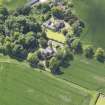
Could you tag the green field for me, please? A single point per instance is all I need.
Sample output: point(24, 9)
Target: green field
point(93, 14)
point(59, 37)
point(101, 100)
point(89, 74)
point(13, 4)
point(21, 85)
point(1, 2)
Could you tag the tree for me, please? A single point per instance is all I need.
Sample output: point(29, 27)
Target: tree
point(57, 12)
point(77, 46)
point(7, 38)
point(67, 57)
point(18, 52)
point(43, 34)
point(22, 24)
point(65, 31)
point(3, 13)
point(70, 4)
point(46, 17)
point(89, 51)
point(64, 55)
point(31, 42)
point(100, 54)
point(32, 58)
point(2, 28)
point(68, 54)
point(2, 39)
point(2, 49)
point(16, 35)
point(43, 42)
point(41, 65)
point(67, 14)
point(22, 11)
point(54, 65)
point(43, 7)
point(8, 47)
point(22, 40)
point(60, 53)
point(78, 27)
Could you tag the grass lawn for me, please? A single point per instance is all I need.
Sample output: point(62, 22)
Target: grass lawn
point(21, 85)
point(89, 74)
point(101, 100)
point(13, 4)
point(92, 13)
point(1, 2)
point(59, 37)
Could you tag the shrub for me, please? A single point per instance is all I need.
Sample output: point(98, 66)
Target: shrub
point(65, 31)
point(77, 46)
point(100, 54)
point(89, 51)
point(44, 7)
point(32, 58)
point(57, 12)
point(54, 65)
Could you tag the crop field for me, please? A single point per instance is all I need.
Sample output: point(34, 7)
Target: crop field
point(55, 36)
point(21, 85)
point(92, 12)
point(89, 74)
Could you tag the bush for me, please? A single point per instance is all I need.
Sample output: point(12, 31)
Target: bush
point(3, 13)
point(44, 7)
point(65, 31)
point(23, 11)
point(64, 55)
point(77, 46)
point(41, 65)
point(2, 49)
point(54, 65)
point(32, 58)
point(43, 42)
point(100, 54)
point(89, 51)
point(18, 52)
point(67, 57)
point(57, 12)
